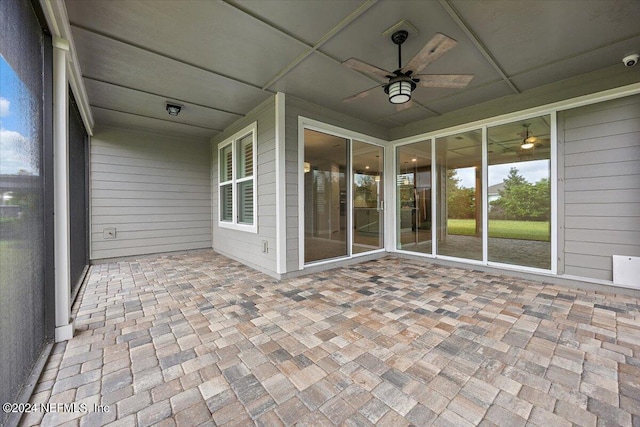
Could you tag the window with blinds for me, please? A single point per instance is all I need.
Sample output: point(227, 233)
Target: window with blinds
point(237, 182)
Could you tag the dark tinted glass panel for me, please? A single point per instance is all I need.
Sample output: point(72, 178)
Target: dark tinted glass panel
point(22, 243)
point(79, 251)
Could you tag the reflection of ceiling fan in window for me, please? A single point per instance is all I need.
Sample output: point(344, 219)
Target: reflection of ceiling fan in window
point(529, 143)
point(524, 147)
point(399, 85)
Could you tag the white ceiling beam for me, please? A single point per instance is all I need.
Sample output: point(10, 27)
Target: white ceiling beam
point(453, 13)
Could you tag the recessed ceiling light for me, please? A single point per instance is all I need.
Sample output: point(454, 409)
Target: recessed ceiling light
point(173, 109)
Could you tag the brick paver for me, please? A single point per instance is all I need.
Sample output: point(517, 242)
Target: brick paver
point(199, 339)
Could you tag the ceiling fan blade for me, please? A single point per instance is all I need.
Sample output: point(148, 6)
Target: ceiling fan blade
point(377, 73)
point(444, 80)
point(406, 105)
point(362, 94)
point(434, 49)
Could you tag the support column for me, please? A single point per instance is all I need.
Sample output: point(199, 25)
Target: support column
point(64, 323)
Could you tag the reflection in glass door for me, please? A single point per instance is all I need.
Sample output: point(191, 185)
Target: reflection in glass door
point(519, 193)
point(368, 189)
point(413, 184)
point(325, 196)
point(459, 204)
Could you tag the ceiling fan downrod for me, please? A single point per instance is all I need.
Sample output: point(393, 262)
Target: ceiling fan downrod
point(398, 38)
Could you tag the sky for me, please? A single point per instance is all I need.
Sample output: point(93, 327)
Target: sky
point(533, 171)
point(16, 150)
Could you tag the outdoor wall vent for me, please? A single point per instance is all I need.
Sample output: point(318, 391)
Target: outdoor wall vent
point(626, 271)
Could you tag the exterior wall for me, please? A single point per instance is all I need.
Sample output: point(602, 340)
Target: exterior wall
point(154, 190)
point(607, 78)
point(295, 107)
point(601, 195)
point(244, 246)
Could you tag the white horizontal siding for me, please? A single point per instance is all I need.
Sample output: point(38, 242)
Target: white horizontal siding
point(624, 182)
point(146, 248)
point(244, 246)
point(147, 171)
point(154, 190)
point(151, 179)
point(184, 237)
point(127, 202)
point(144, 186)
point(601, 186)
point(154, 226)
point(150, 195)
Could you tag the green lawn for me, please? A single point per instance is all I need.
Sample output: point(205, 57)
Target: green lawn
point(526, 230)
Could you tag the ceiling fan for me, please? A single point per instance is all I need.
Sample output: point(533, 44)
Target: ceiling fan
point(526, 144)
point(399, 84)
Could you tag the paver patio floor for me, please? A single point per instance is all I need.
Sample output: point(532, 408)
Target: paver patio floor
point(199, 339)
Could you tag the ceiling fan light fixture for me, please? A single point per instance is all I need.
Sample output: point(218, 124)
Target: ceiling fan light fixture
point(399, 92)
point(529, 140)
point(526, 145)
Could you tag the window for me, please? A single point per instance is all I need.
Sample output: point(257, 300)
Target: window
point(414, 193)
point(237, 182)
point(519, 189)
point(459, 222)
point(491, 200)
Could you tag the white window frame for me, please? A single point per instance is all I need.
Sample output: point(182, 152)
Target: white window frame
point(234, 224)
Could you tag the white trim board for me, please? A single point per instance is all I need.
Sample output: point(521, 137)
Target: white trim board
point(281, 192)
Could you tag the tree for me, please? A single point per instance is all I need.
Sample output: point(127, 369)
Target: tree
point(461, 201)
point(521, 200)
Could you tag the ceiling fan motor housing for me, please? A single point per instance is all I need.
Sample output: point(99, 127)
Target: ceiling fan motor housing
point(399, 37)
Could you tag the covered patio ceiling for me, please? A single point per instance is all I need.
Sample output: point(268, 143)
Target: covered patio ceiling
point(220, 59)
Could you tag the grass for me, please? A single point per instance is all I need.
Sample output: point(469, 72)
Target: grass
point(7, 220)
point(10, 257)
point(525, 230)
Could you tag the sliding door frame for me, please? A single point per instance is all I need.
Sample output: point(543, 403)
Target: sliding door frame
point(305, 123)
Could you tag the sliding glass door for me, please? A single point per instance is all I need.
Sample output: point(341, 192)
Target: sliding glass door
point(343, 197)
point(325, 196)
point(413, 194)
point(368, 197)
point(459, 203)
